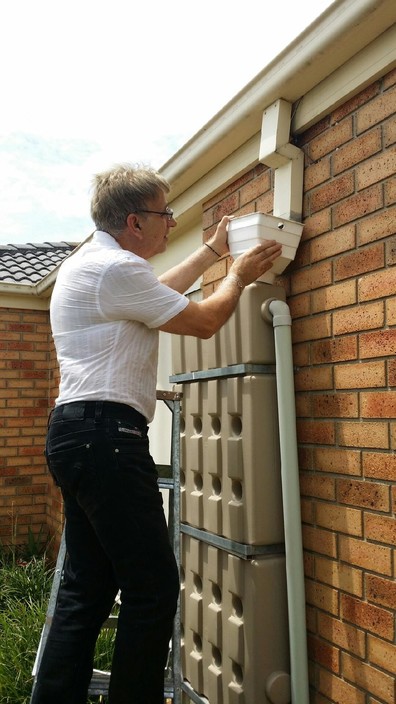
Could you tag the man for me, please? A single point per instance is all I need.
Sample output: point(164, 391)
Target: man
point(106, 310)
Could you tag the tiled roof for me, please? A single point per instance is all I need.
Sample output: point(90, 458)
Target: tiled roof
point(29, 263)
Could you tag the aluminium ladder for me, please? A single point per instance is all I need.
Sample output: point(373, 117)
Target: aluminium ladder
point(169, 479)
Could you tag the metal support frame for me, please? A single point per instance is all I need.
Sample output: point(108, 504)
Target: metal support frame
point(223, 372)
point(242, 550)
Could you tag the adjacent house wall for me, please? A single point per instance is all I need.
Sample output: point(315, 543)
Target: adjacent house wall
point(24, 405)
point(341, 292)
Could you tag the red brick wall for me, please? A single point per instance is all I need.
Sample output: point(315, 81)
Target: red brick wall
point(341, 292)
point(27, 499)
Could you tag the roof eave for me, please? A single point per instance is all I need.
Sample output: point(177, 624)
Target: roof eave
point(343, 30)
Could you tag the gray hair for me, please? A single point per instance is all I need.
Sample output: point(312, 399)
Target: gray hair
point(122, 190)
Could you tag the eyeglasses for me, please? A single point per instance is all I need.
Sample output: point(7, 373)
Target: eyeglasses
point(168, 212)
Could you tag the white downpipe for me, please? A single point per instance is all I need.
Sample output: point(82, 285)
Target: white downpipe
point(278, 312)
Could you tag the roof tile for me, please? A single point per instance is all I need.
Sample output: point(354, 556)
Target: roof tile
point(29, 263)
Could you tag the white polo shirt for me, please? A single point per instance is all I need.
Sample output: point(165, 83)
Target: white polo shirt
point(105, 310)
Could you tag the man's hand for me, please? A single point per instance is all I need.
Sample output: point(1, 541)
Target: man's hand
point(253, 263)
point(219, 240)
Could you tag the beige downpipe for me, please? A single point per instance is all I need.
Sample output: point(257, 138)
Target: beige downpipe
point(288, 161)
point(278, 313)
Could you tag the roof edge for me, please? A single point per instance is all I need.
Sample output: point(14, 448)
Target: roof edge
point(344, 29)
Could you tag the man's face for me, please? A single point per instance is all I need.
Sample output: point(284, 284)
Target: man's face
point(155, 226)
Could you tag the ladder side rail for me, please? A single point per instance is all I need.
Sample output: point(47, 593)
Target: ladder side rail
point(58, 572)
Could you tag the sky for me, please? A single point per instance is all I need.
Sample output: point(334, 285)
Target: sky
point(87, 84)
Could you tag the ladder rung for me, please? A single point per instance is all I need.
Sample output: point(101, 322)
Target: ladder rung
point(169, 395)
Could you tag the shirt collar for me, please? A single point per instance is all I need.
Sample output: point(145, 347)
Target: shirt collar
point(101, 237)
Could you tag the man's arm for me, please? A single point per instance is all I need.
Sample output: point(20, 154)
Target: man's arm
point(183, 275)
point(205, 318)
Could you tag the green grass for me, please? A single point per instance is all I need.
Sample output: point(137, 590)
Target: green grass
point(25, 586)
point(24, 591)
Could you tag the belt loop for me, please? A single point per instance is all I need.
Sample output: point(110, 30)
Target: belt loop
point(98, 411)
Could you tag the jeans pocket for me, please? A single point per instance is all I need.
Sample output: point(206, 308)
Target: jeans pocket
point(70, 467)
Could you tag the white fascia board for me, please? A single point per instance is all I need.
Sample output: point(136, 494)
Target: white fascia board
point(32, 296)
point(24, 298)
point(364, 68)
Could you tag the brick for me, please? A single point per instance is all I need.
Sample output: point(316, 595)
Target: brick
point(334, 191)
point(311, 328)
point(368, 677)
point(306, 512)
point(299, 305)
point(363, 493)
point(377, 227)
point(393, 435)
point(376, 111)
point(305, 457)
point(390, 192)
point(226, 207)
point(339, 575)
point(336, 405)
point(311, 379)
point(311, 278)
point(382, 653)
point(317, 485)
point(314, 131)
point(371, 618)
point(331, 139)
point(255, 188)
point(335, 296)
point(316, 432)
point(339, 691)
point(378, 404)
point(339, 518)
point(340, 349)
point(362, 317)
point(379, 465)
point(264, 203)
point(342, 634)
point(334, 242)
point(377, 344)
point(390, 251)
point(356, 102)
point(361, 375)
point(316, 224)
point(339, 461)
point(315, 697)
point(371, 556)
point(391, 368)
point(323, 653)
point(357, 150)
point(322, 596)
point(377, 285)
point(370, 435)
point(303, 405)
point(301, 354)
point(217, 271)
point(389, 80)
point(376, 169)
point(358, 205)
point(381, 591)
point(316, 174)
point(360, 262)
point(319, 541)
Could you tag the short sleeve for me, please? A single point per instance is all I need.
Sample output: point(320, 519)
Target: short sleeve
point(129, 290)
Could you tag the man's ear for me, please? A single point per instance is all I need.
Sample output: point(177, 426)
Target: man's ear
point(134, 225)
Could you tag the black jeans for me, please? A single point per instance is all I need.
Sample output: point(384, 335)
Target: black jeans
point(116, 538)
